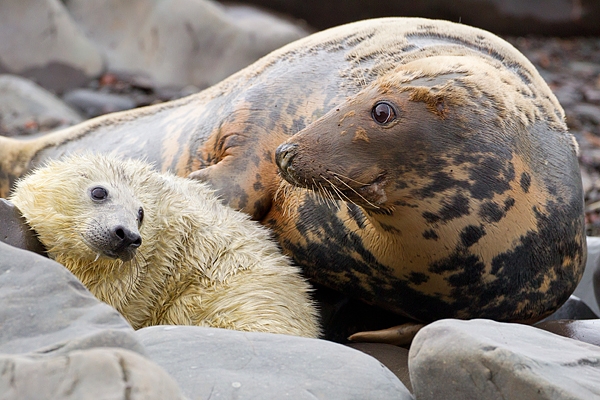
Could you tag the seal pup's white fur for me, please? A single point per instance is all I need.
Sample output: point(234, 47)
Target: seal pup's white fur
point(199, 263)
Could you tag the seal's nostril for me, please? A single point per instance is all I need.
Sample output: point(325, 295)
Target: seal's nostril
point(126, 238)
point(285, 154)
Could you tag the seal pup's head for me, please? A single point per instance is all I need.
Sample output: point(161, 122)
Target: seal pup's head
point(83, 209)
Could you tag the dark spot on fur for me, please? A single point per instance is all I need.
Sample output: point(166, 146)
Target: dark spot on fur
point(401, 185)
point(459, 260)
point(471, 235)
point(389, 228)
point(491, 176)
point(418, 278)
point(491, 212)
point(456, 208)
point(525, 182)
point(509, 203)
point(430, 234)
point(430, 217)
point(403, 203)
point(258, 184)
point(261, 207)
point(441, 181)
point(268, 156)
point(356, 214)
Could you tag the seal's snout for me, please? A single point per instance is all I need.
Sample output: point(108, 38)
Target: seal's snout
point(284, 155)
point(125, 242)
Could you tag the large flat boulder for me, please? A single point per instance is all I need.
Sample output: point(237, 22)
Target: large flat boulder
point(45, 309)
point(27, 108)
point(220, 363)
point(41, 42)
point(180, 42)
point(483, 359)
point(85, 374)
point(59, 342)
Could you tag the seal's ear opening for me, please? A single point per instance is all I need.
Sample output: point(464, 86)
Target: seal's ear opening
point(15, 231)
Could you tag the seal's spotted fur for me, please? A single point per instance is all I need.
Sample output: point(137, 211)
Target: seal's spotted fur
point(480, 215)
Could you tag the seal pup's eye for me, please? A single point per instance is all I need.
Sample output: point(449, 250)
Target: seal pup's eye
point(383, 113)
point(140, 215)
point(98, 193)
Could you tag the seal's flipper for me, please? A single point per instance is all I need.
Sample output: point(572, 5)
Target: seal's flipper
point(400, 335)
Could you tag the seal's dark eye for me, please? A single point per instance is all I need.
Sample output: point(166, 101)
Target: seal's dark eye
point(140, 215)
point(99, 193)
point(383, 113)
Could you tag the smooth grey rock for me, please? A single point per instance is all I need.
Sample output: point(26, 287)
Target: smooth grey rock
point(587, 331)
point(15, 231)
point(220, 363)
point(85, 374)
point(46, 310)
point(23, 102)
point(393, 357)
point(483, 359)
point(41, 42)
point(180, 42)
point(92, 103)
point(585, 290)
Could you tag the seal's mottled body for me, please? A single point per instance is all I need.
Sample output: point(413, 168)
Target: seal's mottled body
point(163, 249)
point(469, 205)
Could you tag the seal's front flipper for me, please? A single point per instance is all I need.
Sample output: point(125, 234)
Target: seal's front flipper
point(400, 335)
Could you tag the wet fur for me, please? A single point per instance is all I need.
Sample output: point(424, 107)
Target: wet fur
point(200, 263)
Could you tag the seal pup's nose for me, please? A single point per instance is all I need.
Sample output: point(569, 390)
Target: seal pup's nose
point(125, 242)
point(284, 155)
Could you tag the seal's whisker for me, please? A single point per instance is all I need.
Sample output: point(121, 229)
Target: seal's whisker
point(324, 196)
point(358, 194)
point(315, 193)
point(338, 175)
point(341, 194)
point(329, 200)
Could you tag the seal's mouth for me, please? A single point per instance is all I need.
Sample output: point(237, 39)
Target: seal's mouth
point(124, 255)
point(118, 243)
point(363, 188)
